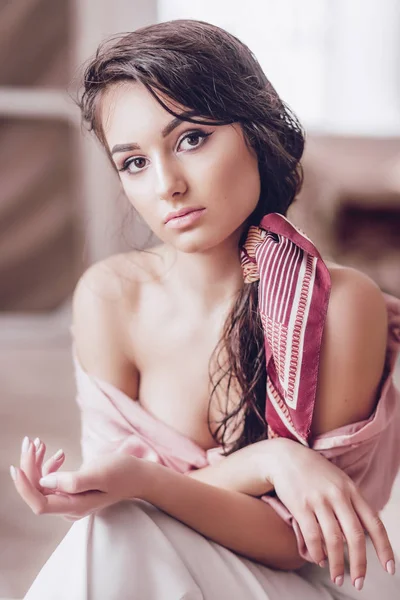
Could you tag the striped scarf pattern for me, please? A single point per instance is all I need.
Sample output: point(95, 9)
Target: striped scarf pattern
point(293, 295)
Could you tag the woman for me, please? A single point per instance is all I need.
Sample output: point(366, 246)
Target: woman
point(202, 356)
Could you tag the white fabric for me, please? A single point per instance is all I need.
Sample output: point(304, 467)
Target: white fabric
point(132, 550)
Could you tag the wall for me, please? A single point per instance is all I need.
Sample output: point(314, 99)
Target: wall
point(336, 63)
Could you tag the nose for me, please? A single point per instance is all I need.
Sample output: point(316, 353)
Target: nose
point(169, 179)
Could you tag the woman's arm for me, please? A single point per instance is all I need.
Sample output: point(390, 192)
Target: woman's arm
point(239, 522)
point(352, 353)
point(242, 471)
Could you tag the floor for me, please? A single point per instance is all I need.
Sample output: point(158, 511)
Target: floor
point(38, 388)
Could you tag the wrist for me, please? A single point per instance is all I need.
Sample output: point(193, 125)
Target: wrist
point(150, 478)
point(130, 477)
point(267, 457)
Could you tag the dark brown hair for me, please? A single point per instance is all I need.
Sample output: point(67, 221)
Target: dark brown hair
point(215, 76)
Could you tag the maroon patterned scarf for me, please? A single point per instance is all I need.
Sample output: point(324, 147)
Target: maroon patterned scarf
point(293, 296)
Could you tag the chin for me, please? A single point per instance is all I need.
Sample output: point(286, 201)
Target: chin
point(192, 242)
point(188, 246)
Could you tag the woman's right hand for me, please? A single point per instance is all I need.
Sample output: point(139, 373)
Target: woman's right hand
point(328, 508)
point(32, 462)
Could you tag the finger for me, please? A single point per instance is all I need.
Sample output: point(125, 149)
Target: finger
point(355, 536)
point(333, 539)
point(28, 461)
point(373, 525)
point(53, 463)
point(312, 535)
point(74, 506)
point(40, 452)
point(70, 482)
point(40, 504)
point(34, 499)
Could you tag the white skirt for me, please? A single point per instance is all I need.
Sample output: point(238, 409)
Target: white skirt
point(132, 550)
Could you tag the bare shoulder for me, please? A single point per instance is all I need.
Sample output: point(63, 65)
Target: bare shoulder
point(114, 283)
point(353, 350)
point(354, 295)
point(104, 297)
point(118, 276)
point(102, 291)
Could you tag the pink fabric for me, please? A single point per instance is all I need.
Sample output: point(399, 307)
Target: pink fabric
point(369, 451)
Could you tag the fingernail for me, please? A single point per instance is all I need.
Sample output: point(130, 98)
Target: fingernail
point(37, 443)
point(359, 582)
point(322, 564)
point(25, 444)
point(390, 567)
point(339, 580)
point(50, 481)
point(58, 454)
point(13, 473)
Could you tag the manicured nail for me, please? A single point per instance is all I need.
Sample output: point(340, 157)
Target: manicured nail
point(58, 454)
point(322, 564)
point(50, 481)
point(25, 444)
point(339, 580)
point(390, 567)
point(359, 582)
point(13, 473)
point(37, 443)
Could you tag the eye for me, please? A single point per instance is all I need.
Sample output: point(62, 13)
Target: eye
point(133, 165)
point(193, 139)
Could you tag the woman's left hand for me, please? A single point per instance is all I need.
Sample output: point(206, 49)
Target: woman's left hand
point(327, 506)
point(75, 494)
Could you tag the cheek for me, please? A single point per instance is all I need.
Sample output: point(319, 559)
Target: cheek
point(137, 195)
point(142, 202)
point(238, 178)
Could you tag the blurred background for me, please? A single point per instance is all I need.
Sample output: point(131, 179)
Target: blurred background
point(337, 65)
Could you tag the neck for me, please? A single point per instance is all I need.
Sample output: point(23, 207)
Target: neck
point(208, 278)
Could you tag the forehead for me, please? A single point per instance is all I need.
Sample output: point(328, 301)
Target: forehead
point(129, 113)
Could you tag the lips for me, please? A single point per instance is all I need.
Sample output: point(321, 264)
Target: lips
point(182, 212)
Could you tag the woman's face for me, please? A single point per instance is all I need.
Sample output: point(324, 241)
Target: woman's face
point(167, 165)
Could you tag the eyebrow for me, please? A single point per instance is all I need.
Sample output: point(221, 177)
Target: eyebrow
point(166, 131)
